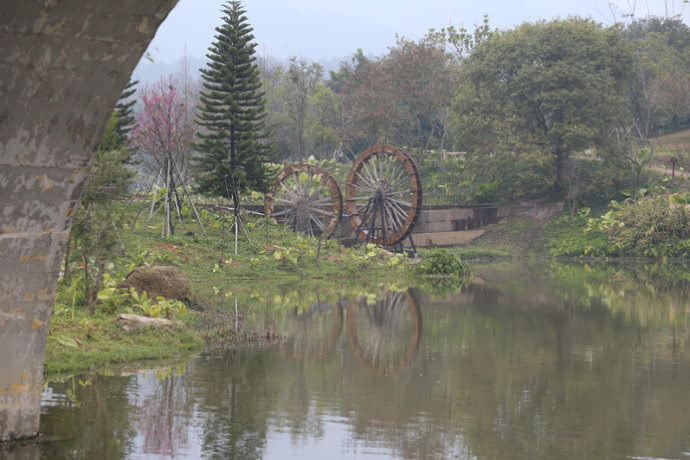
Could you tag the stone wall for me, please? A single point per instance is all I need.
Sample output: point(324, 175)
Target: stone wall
point(63, 65)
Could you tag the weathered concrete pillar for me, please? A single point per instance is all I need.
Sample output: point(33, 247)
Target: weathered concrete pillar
point(63, 64)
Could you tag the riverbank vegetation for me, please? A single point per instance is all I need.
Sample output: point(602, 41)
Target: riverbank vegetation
point(85, 329)
point(565, 110)
point(653, 227)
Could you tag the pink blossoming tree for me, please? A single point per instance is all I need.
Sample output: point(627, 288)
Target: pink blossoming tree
point(162, 135)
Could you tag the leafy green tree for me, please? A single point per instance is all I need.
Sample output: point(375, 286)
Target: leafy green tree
point(425, 80)
point(111, 137)
point(300, 80)
point(401, 97)
point(533, 96)
point(660, 93)
point(326, 121)
point(94, 234)
point(232, 113)
point(338, 78)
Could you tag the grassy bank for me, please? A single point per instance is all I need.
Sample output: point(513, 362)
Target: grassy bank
point(93, 340)
point(265, 272)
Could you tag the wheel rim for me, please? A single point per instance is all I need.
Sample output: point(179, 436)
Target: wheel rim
point(307, 199)
point(383, 195)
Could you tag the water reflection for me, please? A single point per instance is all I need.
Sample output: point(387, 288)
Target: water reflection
point(557, 361)
point(312, 334)
point(385, 334)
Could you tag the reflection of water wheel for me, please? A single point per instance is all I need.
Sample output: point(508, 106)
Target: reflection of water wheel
point(388, 317)
point(383, 195)
point(310, 200)
point(307, 341)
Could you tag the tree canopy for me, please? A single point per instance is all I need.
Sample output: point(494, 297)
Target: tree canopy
point(232, 113)
point(533, 96)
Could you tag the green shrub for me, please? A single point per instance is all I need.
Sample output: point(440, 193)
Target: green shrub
point(679, 198)
point(440, 262)
point(649, 227)
point(569, 236)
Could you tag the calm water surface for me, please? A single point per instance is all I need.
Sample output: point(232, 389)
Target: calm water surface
point(529, 362)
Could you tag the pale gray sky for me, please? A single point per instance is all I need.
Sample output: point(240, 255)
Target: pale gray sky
point(317, 29)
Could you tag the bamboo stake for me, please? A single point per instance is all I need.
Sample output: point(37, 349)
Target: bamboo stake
point(191, 202)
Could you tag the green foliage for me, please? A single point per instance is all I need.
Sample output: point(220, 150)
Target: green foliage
point(534, 95)
point(300, 81)
point(325, 122)
point(121, 121)
point(568, 237)
point(110, 298)
point(648, 227)
point(402, 97)
point(660, 88)
point(440, 262)
point(153, 308)
point(125, 111)
point(679, 198)
point(70, 295)
point(95, 231)
point(232, 113)
point(111, 138)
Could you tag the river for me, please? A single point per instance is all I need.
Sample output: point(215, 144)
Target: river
point(527, 361)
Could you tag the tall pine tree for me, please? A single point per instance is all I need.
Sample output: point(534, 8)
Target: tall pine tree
point(232, 113)
point(125, 109)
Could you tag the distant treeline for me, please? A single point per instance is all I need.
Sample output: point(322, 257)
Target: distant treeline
point(562, 107)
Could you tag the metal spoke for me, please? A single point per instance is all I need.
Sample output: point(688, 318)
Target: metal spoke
point(318, 223)
point(298, 186)
point(289, 191)
point(281, 213)
point(399, 212)
point(286, 201)
point(323, 211)
point(395, 218)
point(371, 165)
point(366, 177)
point(399, 182)
point(361, 187)
point(383, 195)
point(400, 202)
point(311, 199)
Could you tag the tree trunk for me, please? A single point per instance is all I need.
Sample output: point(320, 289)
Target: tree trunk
point(87, 278)
point(96, 287)
point(560, 167)
point(168, 196)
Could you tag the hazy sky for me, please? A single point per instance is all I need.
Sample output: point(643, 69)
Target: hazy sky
point(317, 29)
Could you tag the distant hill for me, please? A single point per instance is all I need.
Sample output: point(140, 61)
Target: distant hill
point(149, 72)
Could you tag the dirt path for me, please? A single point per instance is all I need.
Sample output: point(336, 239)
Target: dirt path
point(669, 172)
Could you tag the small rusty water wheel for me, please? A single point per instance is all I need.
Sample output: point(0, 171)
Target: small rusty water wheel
point(383, 195)
point(307, 199)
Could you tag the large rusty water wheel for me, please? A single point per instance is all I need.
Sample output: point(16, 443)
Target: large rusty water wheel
point(383, 195)
point(307, 199)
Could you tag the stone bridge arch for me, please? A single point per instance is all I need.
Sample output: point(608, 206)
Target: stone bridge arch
point(63, 65)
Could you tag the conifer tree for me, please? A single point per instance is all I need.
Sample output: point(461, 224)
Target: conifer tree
point(125, 111)
point(232, 113)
